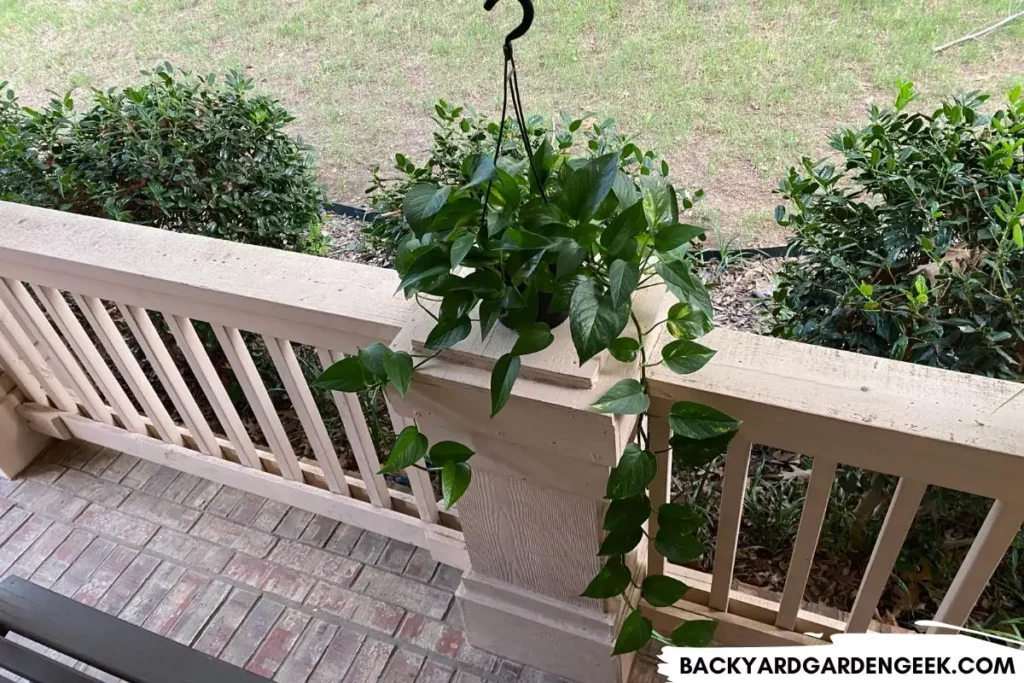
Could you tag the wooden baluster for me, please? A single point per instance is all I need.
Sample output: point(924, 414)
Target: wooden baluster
point(18, 299)
point(21, 373)
point(195, 355)
point(248, 376)
point(661, 487)
point(30, 356)
point(996, 535)
point(170, 377)
point(290, 371)
point(901, 514)
point(815, 505)
point(110, 337)
point(90, 357)
point(734, 488)
point(419, 481)
point(359, 439)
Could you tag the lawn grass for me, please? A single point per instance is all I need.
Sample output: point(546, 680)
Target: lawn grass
point(732, 92)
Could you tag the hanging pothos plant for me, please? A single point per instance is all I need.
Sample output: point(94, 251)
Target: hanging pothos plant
point(570, 238)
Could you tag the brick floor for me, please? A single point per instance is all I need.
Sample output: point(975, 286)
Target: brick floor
point(288, 595)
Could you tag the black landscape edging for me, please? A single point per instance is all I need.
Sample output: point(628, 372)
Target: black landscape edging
point(706, 255)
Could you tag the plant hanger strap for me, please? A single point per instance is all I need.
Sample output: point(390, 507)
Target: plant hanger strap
point(511, 85)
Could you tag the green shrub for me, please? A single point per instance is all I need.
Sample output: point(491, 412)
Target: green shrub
point(461, 132)
point(179, 153)
point(915, 250)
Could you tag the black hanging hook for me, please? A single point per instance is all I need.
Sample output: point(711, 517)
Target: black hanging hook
point(523, 27)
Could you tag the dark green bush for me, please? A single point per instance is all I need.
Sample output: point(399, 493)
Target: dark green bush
point(915, 250)
point(179, 153)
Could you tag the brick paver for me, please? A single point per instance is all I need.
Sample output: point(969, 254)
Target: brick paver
point(289, 595)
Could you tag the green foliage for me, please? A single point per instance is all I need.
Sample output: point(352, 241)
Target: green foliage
point(487, 237)
point(179, 153)
point(461, 133)
point(914, 251)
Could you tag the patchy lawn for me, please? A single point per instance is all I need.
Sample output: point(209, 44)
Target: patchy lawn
point(732, 92)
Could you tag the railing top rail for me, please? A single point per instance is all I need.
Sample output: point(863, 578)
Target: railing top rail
point(303, 298)
point(946, 428)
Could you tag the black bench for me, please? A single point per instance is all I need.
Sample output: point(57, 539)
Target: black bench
point(116, 647)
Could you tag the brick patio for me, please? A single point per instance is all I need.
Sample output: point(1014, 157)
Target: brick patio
point(286, 594)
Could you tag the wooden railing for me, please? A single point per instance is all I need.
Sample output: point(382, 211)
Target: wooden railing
point(926, 426)
point(66, 282)
point(99, 331)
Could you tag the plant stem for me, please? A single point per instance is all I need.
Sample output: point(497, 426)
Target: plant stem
point(425, 309)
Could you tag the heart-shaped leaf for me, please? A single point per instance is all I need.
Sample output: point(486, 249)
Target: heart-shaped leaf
point(693, 634)
point(663, 591)
point(685, 357)
point(699, 452)
point(444, 452)
point(627, 512)
point(593, 321)
point(627, 397)
point(449, 332)
point(633, 474)
point(455, 479)
point(678, 548)
point(613, 578)
point(623, 277)
point(503, 377)
point(347, 375)
point(624, 349)
point(635, 633)
point(398, 367)
point(410, 447)
point(621, 541)
point(461, 247)
point(532, 339)
point(697, 421)
point(422, 202)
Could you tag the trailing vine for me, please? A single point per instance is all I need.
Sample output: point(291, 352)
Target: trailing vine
point(576, 237)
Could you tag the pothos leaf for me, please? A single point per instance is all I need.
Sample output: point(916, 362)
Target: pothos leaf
point(633, 474)
point(685, 357)
point(449, 332)
point(696, 421)
point(489, 313)
point(347, 375)
point(613, 578)
point(627, 397)
point(532, 339)
point(663, 591)
point(621, 541)
point(693, 634)
point(444, 452)
point(627, 512)
point(410, 447)
point(455, 479)
point(398, 367)
point(503, 376)
point(623, 277)
point(593, 321)
point(634, 634)
point(624, 349)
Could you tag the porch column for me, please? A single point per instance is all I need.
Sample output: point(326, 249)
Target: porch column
point(19, 444)
point(533, 514)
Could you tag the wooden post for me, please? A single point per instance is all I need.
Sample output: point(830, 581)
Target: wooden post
point(19, 443)
point(533, 514)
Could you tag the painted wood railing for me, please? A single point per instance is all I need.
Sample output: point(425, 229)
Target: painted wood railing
point(926, 426)
point(65, 283)
point(99, 333)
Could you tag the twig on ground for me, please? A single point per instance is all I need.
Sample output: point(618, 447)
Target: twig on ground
point(981, 33)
